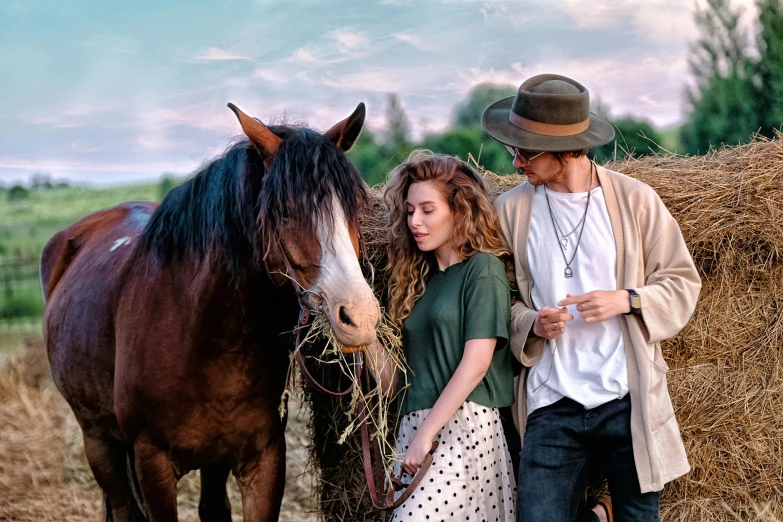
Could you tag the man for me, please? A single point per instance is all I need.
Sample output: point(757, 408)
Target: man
point(603, 275)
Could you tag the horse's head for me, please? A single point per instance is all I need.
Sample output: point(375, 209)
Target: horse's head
point(309, 205)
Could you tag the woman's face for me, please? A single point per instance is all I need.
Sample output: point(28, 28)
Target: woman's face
point(429, 217)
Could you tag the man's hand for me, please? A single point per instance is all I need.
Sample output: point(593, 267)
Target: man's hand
point(599, 305)
point(550, 322)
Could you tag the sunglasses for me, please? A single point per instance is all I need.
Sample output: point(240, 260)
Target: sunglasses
point(524, 155)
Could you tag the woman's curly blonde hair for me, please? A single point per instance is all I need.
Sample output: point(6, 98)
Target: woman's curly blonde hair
point(476, 227)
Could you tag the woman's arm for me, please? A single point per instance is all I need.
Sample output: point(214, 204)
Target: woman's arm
point(383, 370)
point(470, 371)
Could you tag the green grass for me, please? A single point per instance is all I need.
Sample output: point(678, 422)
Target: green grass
point(26, 225)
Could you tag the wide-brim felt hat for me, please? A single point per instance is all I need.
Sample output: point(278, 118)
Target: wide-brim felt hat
point(549, 113)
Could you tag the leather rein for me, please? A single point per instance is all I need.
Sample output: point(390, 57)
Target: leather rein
point(371, 457)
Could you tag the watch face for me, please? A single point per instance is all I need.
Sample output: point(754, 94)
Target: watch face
point(636, 301)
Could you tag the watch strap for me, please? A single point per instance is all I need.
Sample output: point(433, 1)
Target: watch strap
point(634, 296)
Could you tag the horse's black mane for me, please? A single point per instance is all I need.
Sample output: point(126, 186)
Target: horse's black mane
point(223, 208)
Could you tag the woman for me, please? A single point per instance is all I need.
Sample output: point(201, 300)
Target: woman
point(449, 292)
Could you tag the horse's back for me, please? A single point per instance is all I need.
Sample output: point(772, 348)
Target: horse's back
point(78, 239)
point(82, 269)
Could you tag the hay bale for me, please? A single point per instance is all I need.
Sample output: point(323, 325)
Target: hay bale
point(726, 378)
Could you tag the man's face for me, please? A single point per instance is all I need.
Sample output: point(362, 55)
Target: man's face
point(541, 169)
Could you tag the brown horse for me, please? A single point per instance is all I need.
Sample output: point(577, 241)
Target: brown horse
point(163, 322)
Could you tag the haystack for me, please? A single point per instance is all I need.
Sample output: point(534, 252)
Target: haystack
point(726, 377)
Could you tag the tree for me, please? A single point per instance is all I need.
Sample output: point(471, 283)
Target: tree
point(461, 141)
point(18, 193)
point(41, 181)
point(397, 121)
point(467, 135)
point(470, 111)
point(633, 138)
point(167, 182)
point(369, 158)
point(725, 113)
point(724, 102)
point(770, 65)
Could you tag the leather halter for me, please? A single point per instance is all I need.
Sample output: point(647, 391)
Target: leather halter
point(373, 469)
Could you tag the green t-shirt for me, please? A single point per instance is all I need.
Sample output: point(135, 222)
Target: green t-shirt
point(468, 300)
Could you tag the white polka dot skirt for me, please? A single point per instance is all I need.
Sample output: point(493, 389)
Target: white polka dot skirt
point(471, 477)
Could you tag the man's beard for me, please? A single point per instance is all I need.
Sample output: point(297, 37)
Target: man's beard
point(540, 180)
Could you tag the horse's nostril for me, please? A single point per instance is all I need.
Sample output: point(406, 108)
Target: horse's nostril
point(343, 315)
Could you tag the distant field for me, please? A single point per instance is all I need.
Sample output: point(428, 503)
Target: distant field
point(29, 223)
point(25, 227)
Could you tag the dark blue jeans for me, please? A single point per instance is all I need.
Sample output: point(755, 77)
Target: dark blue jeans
point(562, 442)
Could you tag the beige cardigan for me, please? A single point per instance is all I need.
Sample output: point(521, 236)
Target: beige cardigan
point(652, 258)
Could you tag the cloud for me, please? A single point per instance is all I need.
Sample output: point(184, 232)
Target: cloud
point(270, 75)
point(411, 79)
point(622, 83)
point(469, 78)
point(647, 99)
point(216, 54)
point(326, 56)
point(509, 11)
point(303, 55)
point(71, 165)
point(75, 114)
point(349, 41)
point(416, 41)
point(377, 79)
point(660, 21)
point(83, 148)
point(341, 45)
point(222, 122)
point(159, 144)
point(597, 14)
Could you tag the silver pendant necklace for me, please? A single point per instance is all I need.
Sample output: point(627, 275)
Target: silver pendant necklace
point(564, 237)
point(562, 242)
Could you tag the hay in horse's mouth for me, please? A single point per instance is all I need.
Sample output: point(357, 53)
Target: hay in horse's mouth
point(381, 411)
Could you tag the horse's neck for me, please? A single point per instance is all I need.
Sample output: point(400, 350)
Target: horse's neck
point(252, 307)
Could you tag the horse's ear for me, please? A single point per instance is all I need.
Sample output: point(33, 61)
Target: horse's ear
point(344, 134)
point(263, 138)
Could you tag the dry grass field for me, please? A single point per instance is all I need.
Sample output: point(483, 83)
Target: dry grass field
point(44, 475)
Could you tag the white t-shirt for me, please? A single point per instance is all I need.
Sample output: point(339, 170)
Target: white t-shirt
point(586, 363)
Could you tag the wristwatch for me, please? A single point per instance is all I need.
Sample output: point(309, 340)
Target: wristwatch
point(636, 302)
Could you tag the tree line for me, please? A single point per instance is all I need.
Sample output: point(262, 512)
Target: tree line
point(736, 92)
point(738, 76)
point(375, 154)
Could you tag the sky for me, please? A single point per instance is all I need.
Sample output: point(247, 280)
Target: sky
point(109, 92)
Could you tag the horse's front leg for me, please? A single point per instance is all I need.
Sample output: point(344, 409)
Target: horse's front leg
point(262, 482)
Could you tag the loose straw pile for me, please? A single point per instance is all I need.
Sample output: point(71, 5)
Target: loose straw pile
point(335, 420)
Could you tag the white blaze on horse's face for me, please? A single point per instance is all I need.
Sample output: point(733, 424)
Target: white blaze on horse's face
point(353, 310)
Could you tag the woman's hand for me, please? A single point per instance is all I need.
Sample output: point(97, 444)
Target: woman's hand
point(416, 453)
point(599, 305)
